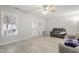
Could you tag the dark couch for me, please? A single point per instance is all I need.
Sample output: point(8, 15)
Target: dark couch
point(58, 32)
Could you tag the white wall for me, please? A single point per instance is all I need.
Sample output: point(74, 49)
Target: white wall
point(61, 21)
point(77, 27)
point(24, 25)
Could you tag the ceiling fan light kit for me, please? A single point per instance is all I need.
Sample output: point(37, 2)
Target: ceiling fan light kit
point(44, 12)
point(48, 9)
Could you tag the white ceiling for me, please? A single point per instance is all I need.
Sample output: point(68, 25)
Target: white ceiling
point(61, 10)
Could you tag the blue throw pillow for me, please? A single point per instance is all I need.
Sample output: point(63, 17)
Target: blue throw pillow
point(72, 43)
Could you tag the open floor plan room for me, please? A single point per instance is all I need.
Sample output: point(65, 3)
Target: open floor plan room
point(39, 28)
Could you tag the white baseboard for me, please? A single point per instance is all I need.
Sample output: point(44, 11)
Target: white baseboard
point(5, 43)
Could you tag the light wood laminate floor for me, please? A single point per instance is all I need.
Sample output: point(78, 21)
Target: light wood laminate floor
point(33, 45)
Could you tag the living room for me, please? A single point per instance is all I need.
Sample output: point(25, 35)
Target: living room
point(32, 27)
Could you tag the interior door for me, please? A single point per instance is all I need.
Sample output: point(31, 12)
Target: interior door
point(37, 27)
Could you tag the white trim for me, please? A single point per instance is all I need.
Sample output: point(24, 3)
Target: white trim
point(5, 43)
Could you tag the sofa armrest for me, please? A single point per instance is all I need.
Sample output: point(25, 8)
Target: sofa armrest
point(62, 32)
point(65, 49)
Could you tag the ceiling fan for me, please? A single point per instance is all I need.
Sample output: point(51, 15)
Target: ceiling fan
point(45, 9)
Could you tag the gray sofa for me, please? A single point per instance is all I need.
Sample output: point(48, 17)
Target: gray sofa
point(65, 49)
point(58, 32)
